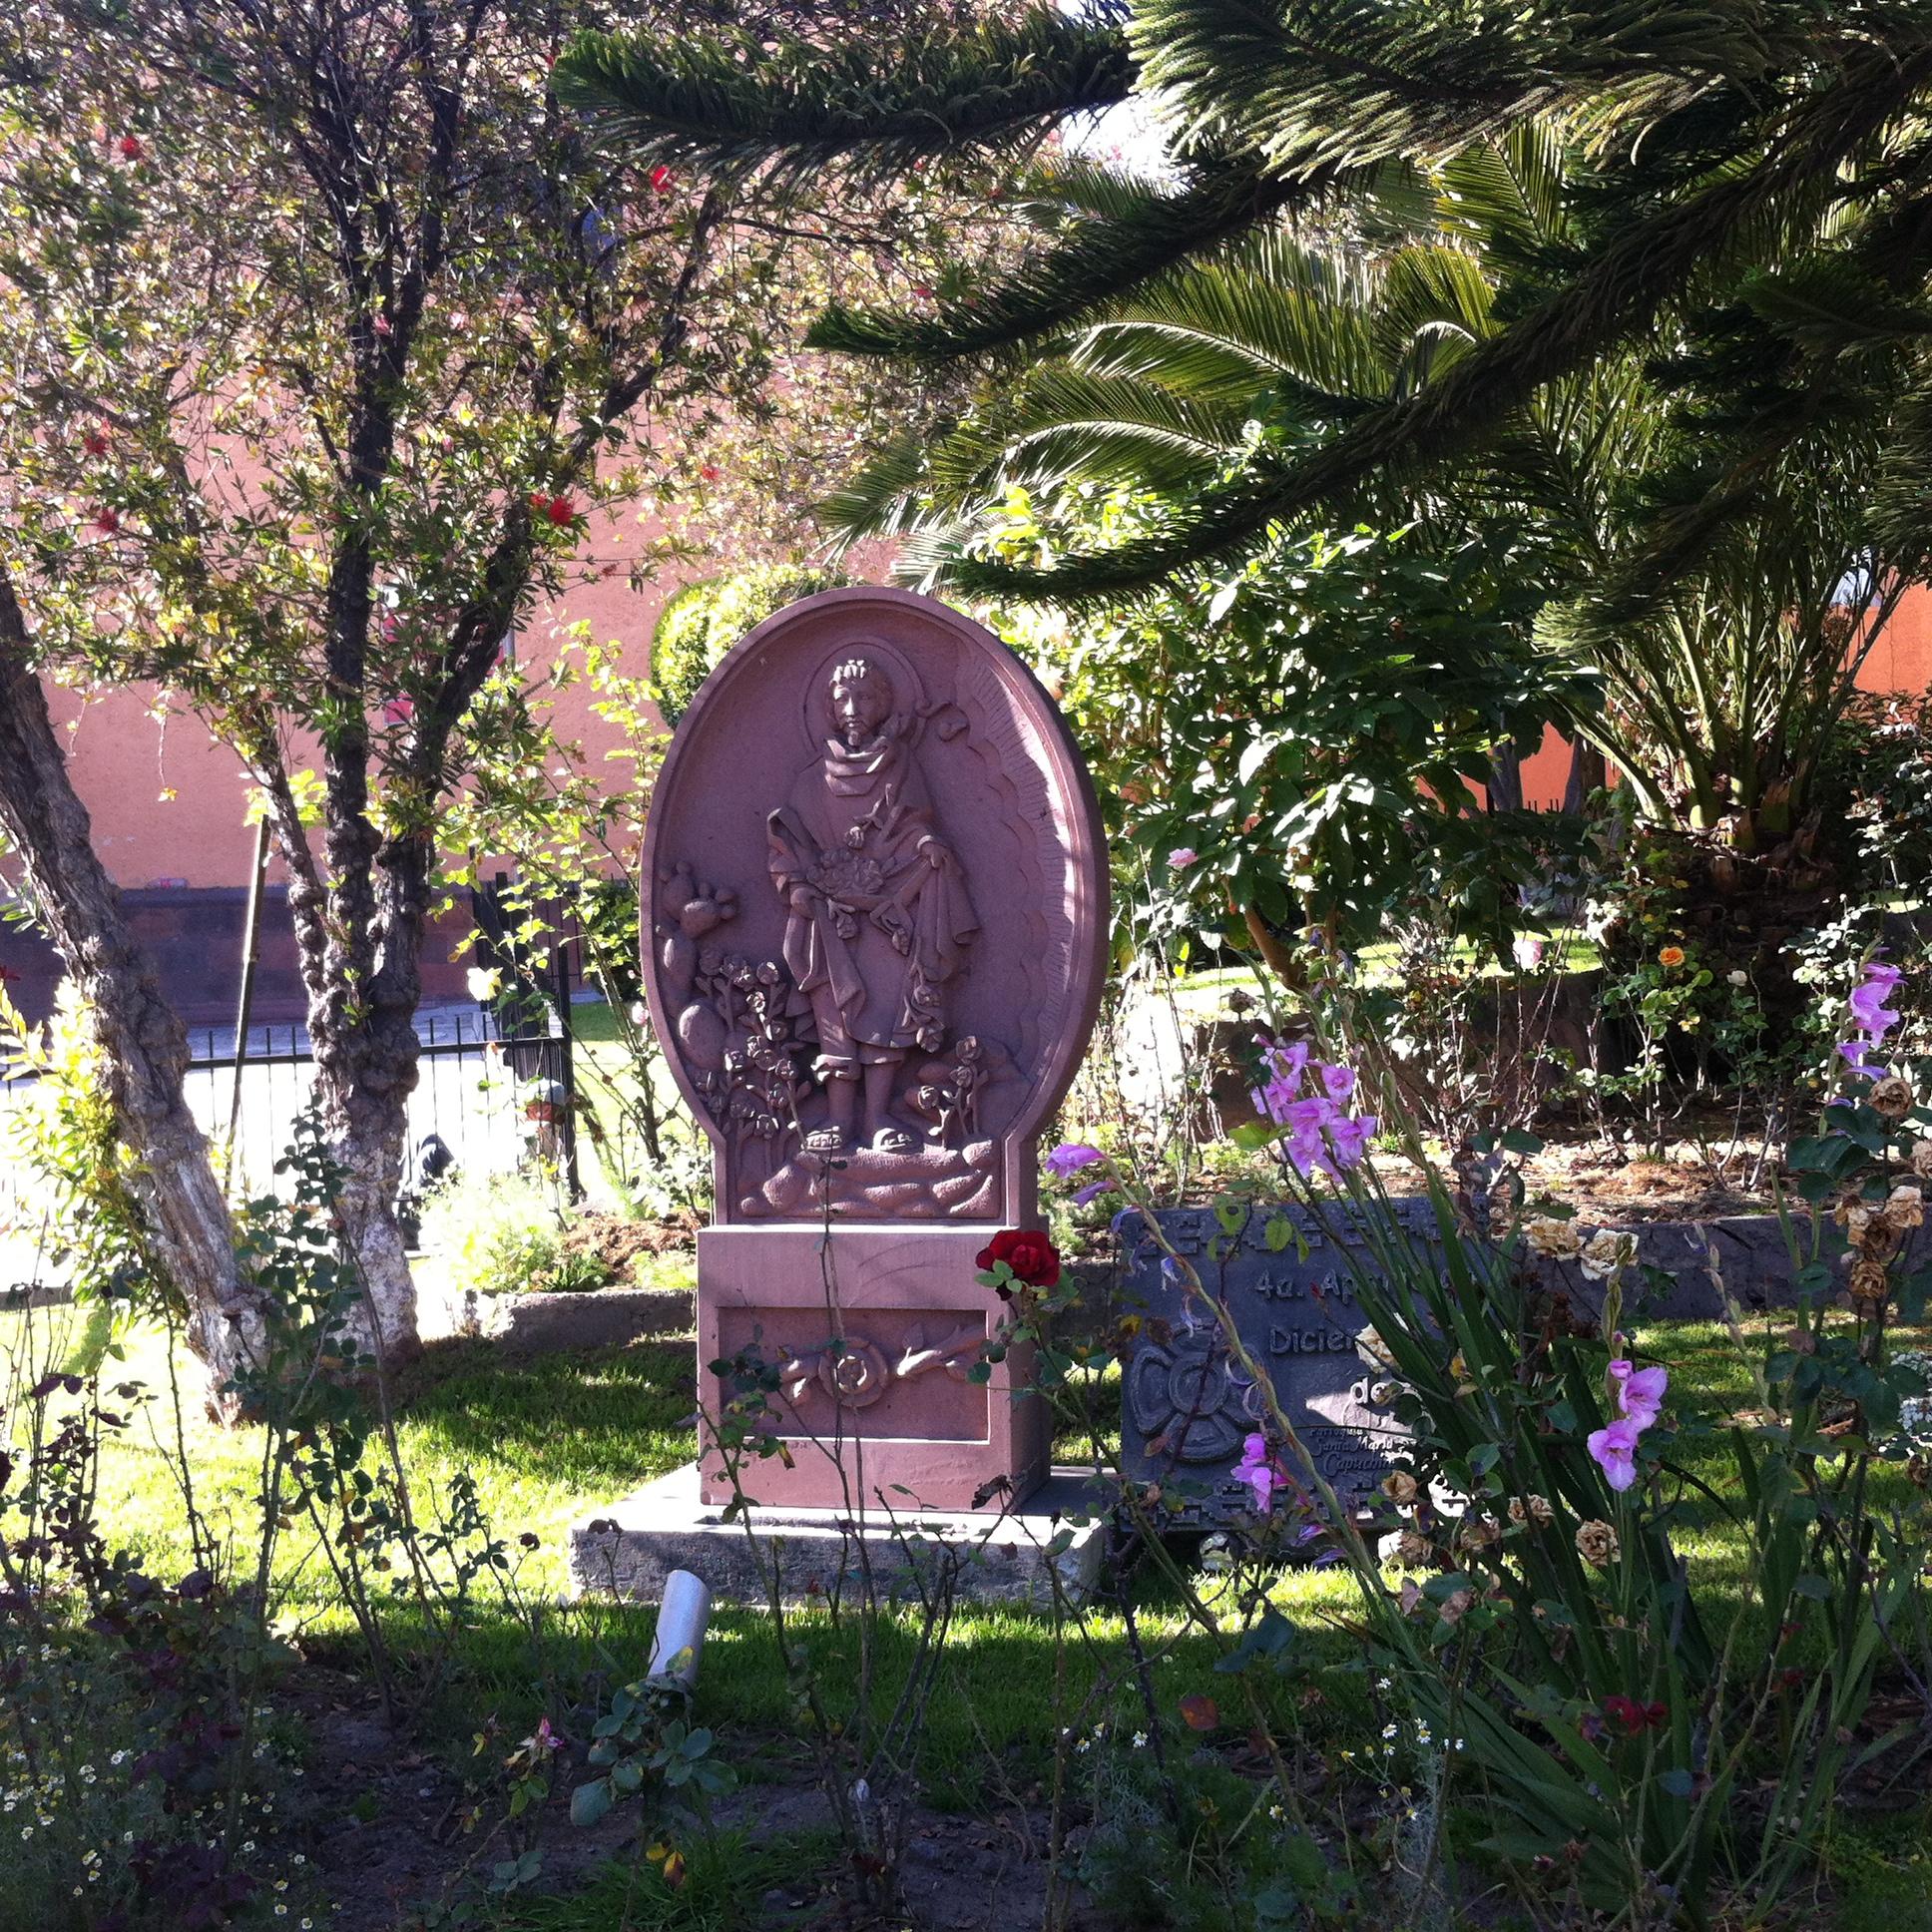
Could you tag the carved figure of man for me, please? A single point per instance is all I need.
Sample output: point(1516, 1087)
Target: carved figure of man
point(878, 916)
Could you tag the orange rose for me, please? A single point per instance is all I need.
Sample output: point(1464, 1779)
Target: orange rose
point(1671, 956)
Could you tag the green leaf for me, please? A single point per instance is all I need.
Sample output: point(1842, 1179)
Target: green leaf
point(590, 1802)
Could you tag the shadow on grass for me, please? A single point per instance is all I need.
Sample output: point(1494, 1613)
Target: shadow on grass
point(590, 1420)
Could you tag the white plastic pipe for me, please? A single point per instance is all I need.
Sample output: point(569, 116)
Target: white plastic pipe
point(681, 1618)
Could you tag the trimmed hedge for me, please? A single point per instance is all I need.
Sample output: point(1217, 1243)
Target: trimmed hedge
point(703, 621)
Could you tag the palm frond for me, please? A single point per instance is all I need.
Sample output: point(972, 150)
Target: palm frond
point(1274, 313)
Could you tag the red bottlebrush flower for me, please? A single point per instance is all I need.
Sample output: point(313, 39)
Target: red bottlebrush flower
point(129, 146)
point(1026, 1250)
point(710, 472)
point(923, 292)
point(661, 178)
point(107, 521)
point(94, 442)
point(561, 511)
point(539, 503)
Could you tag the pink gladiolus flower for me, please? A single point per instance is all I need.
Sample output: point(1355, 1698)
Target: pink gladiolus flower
point(1069, 1157)
point(1339, 1081)
point(1092, 1191)
point(1351, 1138)
point(1256, 1469)
point(1871, 1016)
point(1182, 857)
point(1613, 1448)
point(1284, 1063)
point(1639, 1391)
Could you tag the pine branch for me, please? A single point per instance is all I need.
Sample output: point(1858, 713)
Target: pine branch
point(1365, 79)
point(742, 100)
point(1097, 265)
point(1619, 293)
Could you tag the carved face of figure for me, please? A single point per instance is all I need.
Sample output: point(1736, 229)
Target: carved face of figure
point(861, 702)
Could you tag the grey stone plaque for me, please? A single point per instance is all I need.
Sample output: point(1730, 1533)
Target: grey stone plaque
point(1288, 1279)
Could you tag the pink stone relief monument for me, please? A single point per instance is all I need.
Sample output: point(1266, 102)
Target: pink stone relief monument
point(874, 945)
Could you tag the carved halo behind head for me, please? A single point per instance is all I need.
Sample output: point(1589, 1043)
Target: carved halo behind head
point(887, 660)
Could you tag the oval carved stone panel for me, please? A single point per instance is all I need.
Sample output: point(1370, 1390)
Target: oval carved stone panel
point(878, 915)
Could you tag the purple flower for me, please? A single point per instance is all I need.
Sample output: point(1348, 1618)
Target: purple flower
point(1613, 1448)
point(1308, 1117)
point(1339, 1081)
point(1256, 1469)
point(1285, 1059)
point(1069, 1157)
point(1306, 1152)
point(1351, 1138)
point(1871, 1016)
point(1639, 1391)
point(1092, 1191)
point(1182, 857)
point(1283, 1063)
point(1868, 1008)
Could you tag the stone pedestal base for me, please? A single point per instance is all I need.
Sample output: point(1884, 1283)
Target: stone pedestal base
point(630, 1549)
point(873, 1331)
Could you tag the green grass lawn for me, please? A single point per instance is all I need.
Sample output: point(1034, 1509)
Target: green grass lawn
point(553, 1439)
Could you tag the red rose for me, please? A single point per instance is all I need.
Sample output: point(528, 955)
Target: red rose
point(1633, 1718)
point(1026, 1250)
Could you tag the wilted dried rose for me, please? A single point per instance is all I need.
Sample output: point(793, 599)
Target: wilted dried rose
point(1372, 1348)
point(1413, 1550)
point(1905, 1208)
point(1531, 1509)
point(1893, 1096)
point(1606, 1251)
point(1922, 1159)
point(1870, 1281)
point(1458, 1606)
point(1477, 1531)
point(1399, 1487)
point(1596, 1541)
point(1557, 1238)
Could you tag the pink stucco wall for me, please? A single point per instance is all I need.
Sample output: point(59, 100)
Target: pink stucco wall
point(1900, 660)
point(169, 802)
point(124, 761)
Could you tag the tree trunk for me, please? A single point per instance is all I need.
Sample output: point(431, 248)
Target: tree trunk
point(360, 953)
point(1506, 778)
point(1588, 774)
point(140, 1034)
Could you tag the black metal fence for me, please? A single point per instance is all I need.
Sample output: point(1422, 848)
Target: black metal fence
point(480, 1095)
point(492, 1102)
